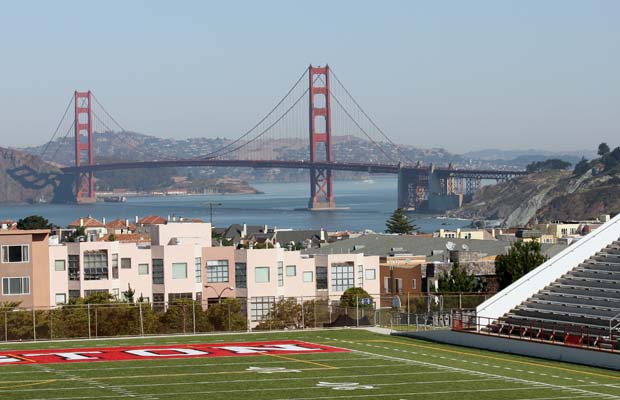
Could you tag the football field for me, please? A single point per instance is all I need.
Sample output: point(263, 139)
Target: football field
point(327, 364)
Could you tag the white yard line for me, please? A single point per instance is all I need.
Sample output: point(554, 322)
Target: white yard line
point(508, 378)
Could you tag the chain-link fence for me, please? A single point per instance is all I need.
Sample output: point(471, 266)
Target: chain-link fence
point(85, 320)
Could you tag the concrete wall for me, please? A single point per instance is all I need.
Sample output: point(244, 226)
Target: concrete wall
point(547, 351)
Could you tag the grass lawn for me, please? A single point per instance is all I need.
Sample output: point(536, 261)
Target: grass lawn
point(375, 367)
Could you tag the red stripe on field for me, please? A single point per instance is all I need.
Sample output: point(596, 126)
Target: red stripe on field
point(201, 350)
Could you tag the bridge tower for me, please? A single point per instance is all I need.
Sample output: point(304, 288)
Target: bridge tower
point(83, 125)
point(321, 180)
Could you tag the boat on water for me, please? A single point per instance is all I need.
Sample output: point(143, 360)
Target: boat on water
point(114, 199)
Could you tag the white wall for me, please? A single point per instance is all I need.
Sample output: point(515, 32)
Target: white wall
point(548, 272)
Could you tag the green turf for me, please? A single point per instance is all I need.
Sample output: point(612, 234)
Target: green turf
point(378, 367)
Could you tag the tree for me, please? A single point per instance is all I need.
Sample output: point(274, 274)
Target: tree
point(581, 167)
point(226, 316)
point(33, 222)
point(521, 259)
point(458, 280)
point(399, 223)
point(352, 297)
point(74, 236)
point(603, 149)
point(286, 313)
point(547, 165)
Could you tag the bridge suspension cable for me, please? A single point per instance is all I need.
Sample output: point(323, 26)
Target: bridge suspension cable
point(365, 114)
point(64, 115)
point(214, 153)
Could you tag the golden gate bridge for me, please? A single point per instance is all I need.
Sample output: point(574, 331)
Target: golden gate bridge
point(318, 110)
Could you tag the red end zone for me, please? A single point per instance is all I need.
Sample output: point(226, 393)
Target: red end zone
point(163, 352)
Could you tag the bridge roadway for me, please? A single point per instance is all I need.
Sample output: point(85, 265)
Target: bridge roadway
point(335, 166)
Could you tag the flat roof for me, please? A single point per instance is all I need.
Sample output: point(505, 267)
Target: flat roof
point(24, 232)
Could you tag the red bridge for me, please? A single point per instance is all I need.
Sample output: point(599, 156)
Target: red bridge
point(315, 110)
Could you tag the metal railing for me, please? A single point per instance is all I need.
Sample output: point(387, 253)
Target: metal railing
point(115, 318)
point(581, 336)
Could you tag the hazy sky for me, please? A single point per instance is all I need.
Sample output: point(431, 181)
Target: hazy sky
point(462, 75)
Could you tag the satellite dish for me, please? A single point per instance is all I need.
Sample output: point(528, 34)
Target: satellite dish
point(450, 246)
point(465, 247)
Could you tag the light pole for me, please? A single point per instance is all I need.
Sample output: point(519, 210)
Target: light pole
point(219, 294)
point(211, 204)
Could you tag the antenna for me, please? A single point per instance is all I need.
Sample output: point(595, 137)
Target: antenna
point(450, 246)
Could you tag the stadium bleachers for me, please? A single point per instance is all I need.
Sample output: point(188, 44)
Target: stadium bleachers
point(582, 307)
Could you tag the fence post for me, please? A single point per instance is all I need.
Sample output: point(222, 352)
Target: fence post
point(51, 323)
point(88, 311)
point(303, 312)
point(408, 311)
point(6, 327)
point(96, 321)
point(460, 301)
point(229, 325)
point(194, 316)
point(357, 312)
point(34, 325)
point(248, 311)
point(141, 320)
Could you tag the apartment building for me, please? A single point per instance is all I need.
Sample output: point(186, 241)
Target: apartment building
point(180, 263)
point(23, 267)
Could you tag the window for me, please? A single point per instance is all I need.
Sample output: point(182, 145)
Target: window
point(74, 268)
point(59, 265)
point(18, 253)
point(261, 306)
point(61, 298)
point(16, 286)
point(321, 277)
point(115, 266)
point(371, 274)
point(291, 270)
point(198, 269)
point(158, 300)
point(241, 275)
point(261, 274)
point(387, 284)
point(217, 271)
point(125, 263)
point(280, 274)
point(94, 291)
point(360, 276)
point(399, 285)
point(143, 269)
point(342, 277)
point(179, 271)
point(413, 284)
point(74, 294)
point(158, 272)
point(308, 276)
point(116, 292)
point(95, 265)
point(178, 296)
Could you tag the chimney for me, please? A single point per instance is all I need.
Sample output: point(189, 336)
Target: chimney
point(244, 231)
point(81, 221)
point(322, 235)
point(136, 219)
point(127, 222)
point(103, 220)
point(265, 228)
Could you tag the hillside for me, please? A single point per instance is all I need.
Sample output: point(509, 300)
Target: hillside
point(545, 196)
point(27, 178)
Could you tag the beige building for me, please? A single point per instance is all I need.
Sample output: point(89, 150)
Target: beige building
point(24, 261)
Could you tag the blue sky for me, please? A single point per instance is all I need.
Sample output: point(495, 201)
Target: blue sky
point(463, 75)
